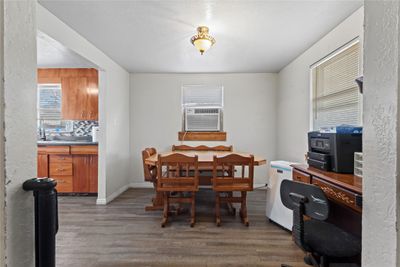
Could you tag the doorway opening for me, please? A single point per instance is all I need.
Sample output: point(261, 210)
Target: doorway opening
point(68, 119)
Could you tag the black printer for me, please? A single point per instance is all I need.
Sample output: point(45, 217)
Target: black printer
point(333, 151)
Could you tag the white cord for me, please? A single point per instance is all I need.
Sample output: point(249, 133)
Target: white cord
point(183, 137)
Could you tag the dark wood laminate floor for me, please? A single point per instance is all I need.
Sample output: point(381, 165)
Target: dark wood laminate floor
point(122, 234)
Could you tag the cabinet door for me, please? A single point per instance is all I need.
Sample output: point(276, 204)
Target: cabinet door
point(43, 165)
point(85, 173)
point(74, 98)
point(93, 173)
point(93, 99)
point(81, 173)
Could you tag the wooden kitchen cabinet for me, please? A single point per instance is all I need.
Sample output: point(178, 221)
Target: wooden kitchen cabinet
point(43, 165)
point(74, 98)
point(79, 91)
point(85, 173)
point(75, 168)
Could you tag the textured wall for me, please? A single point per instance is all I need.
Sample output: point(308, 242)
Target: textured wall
point(294, 88)
point(2, 173)
point(381, 134)
point(20, 127)
point(249, 113)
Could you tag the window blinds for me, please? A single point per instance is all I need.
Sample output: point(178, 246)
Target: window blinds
point(202, 95)
point(49, 101)
point(336, 98)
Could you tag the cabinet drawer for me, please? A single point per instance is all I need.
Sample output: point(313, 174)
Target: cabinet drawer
point(64, 184)
point(60, 159)
point(301, 176)
point(84, 150)
point(53, 150)
point(60, 169)
point(337, 194)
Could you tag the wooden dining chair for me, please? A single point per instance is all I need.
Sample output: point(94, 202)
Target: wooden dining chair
point(178, 174)
point(150, 172)
point(150, 175)
point(226, 183)
point(202, 148)
point(205, 172)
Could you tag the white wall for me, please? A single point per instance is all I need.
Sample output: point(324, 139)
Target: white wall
point(114, 165)
point(249, 114)
point(2, 144)
point(294, 89)
point(381, 135)
point(18, 109)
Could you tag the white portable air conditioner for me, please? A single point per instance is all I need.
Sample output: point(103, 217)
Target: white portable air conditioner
point(202, 119)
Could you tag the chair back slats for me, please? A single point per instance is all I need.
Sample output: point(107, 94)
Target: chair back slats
point(202, 148)
point(150, 172)
point(228, 178)
point(178, 172)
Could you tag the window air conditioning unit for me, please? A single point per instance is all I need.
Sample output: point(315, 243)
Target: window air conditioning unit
point(202, 119)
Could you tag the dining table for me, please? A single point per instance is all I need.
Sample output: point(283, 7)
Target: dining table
point(206, 159)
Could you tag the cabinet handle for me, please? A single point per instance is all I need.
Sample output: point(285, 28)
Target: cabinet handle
point(60, 169)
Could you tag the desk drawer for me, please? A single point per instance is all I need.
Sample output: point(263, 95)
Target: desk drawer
point(301, 176)
point(338, 194)
point(61, 169)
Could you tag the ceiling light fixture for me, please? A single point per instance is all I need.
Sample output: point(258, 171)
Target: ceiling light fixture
point(202, 40)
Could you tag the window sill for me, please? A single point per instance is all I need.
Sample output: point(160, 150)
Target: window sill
point(202, 136)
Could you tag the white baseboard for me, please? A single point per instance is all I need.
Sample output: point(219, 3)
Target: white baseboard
point(141, 185)
point(102, 201)
point(260, 186)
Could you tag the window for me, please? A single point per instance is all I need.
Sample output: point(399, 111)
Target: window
point(49, 101)
point(202, 108)
point(335, 95)
point(202, 96)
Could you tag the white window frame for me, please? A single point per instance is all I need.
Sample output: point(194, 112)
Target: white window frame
point(321, 61)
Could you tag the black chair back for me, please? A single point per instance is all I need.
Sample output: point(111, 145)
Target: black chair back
point(316, 204)
point(303, 199)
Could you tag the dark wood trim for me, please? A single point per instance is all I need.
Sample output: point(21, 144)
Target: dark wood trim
point(346, 181)
point(202, 136)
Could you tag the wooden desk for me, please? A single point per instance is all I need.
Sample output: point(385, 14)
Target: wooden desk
point(206, 158)
point(344, 192)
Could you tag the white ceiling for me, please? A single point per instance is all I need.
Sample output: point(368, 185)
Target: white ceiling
point(52, 54)
point(153, 36)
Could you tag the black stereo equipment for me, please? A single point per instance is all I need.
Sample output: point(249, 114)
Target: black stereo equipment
point(333, 151)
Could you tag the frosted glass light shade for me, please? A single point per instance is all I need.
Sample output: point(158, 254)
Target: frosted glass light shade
point(202, 45)
point(202, 40)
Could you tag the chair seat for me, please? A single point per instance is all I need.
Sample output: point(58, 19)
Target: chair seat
point(327, 239)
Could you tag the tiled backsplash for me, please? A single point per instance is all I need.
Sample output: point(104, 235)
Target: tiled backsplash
point(84, 128)
point(67, 127)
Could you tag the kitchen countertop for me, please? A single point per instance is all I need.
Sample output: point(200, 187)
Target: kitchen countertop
point(66, 143)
